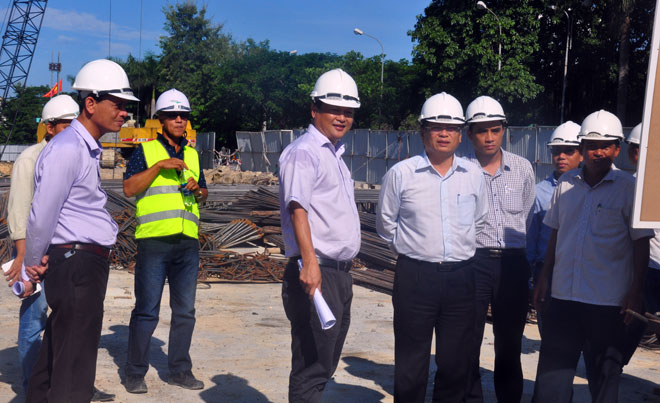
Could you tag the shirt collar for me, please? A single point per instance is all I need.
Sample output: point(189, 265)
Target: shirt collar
point(320, 139)
point(609, 177)
point(93, 145)
point(551, 178)
point(425, 163)
point(162, 139)
point(505, 160)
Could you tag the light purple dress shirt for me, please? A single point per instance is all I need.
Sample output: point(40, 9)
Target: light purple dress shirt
point(68, 204)
point(313, 174)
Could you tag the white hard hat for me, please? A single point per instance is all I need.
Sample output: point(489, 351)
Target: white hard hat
point(484, 109)
point(172, 100)
point(635, 135)
point(104, 77)
point(58, 108)
point(336, 87)
point(442, 108)
point(601, 125)
point(566, 134)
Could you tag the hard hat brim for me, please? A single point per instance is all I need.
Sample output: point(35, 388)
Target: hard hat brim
point(487, 119)
point(346, 103)
point(128, 97)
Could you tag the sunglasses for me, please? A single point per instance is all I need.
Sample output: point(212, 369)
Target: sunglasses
point(174, 115)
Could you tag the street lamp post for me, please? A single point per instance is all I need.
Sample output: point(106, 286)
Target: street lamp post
point(568, 46)
point(482, 6)
point(358, 31)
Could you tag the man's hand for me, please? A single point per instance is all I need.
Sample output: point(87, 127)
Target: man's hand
point(14, 273)
point(310, 278)
point(632, 301)
point(29, 289)
point(193, 186)
point(37, 272)
point(172, 163)
point(540, 293)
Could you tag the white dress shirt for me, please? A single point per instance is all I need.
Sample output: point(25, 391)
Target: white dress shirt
point(427, 216)
point(313, 174)
point(594, 253)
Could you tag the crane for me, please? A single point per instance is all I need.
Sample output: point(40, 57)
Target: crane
point(18, 44)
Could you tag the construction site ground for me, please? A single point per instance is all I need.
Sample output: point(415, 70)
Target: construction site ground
point(241, 350)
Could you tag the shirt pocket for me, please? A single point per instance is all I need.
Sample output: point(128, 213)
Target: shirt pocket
point(465, 205)
point(512, 202)
point(607, 222)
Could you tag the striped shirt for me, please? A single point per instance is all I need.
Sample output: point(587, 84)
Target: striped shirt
point(510, 199)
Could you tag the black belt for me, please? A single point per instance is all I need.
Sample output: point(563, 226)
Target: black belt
point(98, 250)
point(341, 265)
point(494, 252)
point(438, 265)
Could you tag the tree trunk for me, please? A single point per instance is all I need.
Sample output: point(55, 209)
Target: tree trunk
point(624, 68)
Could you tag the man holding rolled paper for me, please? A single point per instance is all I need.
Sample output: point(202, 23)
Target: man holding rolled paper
point(321, 231)
point(430, 209)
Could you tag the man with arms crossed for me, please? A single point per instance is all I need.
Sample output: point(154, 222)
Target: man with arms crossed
point(597, 263)
point(501, 268)
point(321, 227)
point(69, 236)
point(430, 208)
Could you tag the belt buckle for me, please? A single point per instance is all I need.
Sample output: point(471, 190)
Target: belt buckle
point(496, 252)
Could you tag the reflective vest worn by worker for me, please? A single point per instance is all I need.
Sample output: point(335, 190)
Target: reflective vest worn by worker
point(160, 210)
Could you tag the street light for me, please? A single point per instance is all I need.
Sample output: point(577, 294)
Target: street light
point(569, 39)
point(482, 6)
point(358, 31)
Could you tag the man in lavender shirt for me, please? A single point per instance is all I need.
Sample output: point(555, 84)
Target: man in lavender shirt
point(69, 236)
point(321, 229)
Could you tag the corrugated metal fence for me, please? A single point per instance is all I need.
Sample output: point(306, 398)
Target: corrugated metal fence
point(370, 153)
point(13, 151)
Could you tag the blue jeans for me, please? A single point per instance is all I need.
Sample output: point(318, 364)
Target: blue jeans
point(177, 259)
point(31, 323)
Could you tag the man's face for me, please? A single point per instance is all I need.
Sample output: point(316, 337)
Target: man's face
point(486, 137)
point(109, 113)
point(53, 128)
point(174, 123)
point(599, 155)
point(440, 140)
point(633, 153)
point(333, 121)
point(565, 158)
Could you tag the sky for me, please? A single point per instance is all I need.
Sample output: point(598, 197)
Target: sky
point(79, 30)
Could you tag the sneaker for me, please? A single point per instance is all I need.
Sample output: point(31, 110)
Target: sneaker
point(186, 380)
point(101, 396)
point(135, 384)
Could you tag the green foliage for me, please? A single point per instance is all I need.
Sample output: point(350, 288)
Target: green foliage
point(25, 108)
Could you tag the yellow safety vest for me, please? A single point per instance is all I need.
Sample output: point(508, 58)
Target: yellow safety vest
point(160, 210)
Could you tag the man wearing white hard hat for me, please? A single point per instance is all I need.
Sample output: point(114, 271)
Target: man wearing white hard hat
point(69, 236)
point(501, 268)
point(321, 231)
point(566, 156)
point(594, 265)
point(165, 177)
point(430, 209)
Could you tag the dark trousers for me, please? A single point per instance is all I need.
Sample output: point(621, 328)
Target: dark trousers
point(427, 297)
point(652, 291)
point(66, 366)
point(315, 352)
point(502, 282)
point(177, 259)
point(571, 328)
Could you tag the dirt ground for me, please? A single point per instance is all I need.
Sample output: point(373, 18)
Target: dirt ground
point(241, 350)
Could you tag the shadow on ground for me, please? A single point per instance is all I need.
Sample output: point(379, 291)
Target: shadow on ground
point(117, 343)
point(10, 372)
point(231, 388)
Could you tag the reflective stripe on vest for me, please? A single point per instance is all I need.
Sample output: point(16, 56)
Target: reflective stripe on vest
point(159, 209)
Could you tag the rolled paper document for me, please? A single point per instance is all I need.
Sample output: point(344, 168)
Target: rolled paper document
point(19, 288)
point(326, 317)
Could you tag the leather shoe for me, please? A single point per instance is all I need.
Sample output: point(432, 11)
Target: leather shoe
point(186, 380)
point(135, 384)
point(101, 396)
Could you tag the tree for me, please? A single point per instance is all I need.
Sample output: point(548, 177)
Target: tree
point(21, 113)
point(457, 46)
